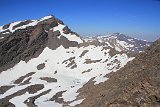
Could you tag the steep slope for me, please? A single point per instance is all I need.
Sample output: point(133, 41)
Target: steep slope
point(135, 85)
point(43, 63)
point(24, 40)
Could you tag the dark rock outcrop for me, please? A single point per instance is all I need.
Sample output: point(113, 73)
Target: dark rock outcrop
point(57, 97)
point(48, 79)
point(89, 61)
point(3, 89)
point(66, 43)
point(20, 79)
point(6, 26)
point(66, 30)
point(23, 44)
point(53, 40)
point(83, 53)
point(40, 66)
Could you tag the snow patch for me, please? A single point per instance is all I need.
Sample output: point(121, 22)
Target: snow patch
point(46, 17)
point(70, 37)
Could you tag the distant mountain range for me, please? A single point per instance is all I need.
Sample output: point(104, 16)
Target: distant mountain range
point(120, 42)
point(43, 63)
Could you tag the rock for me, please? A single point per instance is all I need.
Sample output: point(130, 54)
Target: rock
point(49, 79)
point(83, 53)
point(66, 30)
point(3, 89)
point(40, 66)
point(53, 40)
point(66, 43)
point(89, 61)
point(57, 98)
point(20, 79)
point(6, 26)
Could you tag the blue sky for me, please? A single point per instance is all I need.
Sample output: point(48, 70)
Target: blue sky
point(136, 18)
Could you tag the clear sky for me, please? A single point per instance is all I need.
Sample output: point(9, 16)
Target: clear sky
point(136, 18)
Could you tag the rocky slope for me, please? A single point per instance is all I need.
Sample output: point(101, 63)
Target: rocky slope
point(43, 63)
point(24, 40)
point(134, 85)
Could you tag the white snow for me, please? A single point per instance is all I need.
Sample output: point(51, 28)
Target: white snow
point(109, 44)
point(117, 49)
point(18, 100)
point(1, 37)
point(12, 25)
point(10, 28)
point(1, 28)
point(130, 40)
point(70, 37)
point(46, 17)
point(24, 26)
point(48, 104)
point(100, 79)
point(124, 44)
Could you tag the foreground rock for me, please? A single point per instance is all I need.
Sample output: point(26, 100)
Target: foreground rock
point(135, 85)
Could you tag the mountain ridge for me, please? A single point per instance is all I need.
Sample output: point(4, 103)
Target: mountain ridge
point(125, 40)
point(29, 40)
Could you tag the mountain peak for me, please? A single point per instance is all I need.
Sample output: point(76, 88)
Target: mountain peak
point(32, 36)
point(116, 34)
point(49, 20)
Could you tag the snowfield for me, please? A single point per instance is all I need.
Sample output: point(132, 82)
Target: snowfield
point(68, 79)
